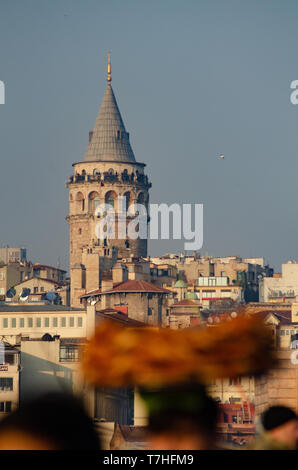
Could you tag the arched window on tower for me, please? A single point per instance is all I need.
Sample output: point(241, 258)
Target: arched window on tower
point(128, 199)
point(111, 199)
point(93, 201)
point(141, 199)
point(80, 201)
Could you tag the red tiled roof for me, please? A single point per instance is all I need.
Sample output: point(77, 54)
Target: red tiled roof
point(283, 316)
point(98, 291)
point(139, 286)
point(114, 315)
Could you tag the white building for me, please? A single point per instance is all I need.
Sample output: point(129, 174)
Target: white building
point(283, 288)
point(33, 320)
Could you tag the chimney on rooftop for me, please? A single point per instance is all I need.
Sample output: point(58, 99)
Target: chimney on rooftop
point(106, 285)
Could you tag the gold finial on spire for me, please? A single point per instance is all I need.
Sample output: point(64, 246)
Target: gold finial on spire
point(109, 77)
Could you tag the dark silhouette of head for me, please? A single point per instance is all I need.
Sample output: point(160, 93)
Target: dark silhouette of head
point(54, 421)
point(282, 424)
point(181, 416)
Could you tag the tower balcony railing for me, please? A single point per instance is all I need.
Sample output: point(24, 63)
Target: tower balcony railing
point(126, 178)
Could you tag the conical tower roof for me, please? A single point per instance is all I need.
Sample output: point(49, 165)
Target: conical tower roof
point(109, 140)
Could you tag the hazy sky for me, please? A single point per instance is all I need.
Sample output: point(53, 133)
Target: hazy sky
point(193, 79)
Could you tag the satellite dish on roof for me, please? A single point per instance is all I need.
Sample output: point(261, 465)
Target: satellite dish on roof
point(25, 294)
point(51, 296)
point(47, 337)
point(11, 293)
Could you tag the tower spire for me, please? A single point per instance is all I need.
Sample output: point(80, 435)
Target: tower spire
point(109, 77)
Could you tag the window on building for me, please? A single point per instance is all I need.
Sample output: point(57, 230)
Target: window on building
point(30, 322)
point(5, 322)
point(22, 322)
point(46, 322)
point(282, 333)
point(235, 380)
point(6, 384)
point(9, 358)
point(35, 290)
point(55, 322)
point(38, 322)
point(42, 289)
point(80, 322)
point(13, 323)
point(5, 406)
point(71, 322)
point(69, 353)
point(63, 322)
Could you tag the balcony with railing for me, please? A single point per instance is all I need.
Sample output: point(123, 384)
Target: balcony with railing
point(111, 178)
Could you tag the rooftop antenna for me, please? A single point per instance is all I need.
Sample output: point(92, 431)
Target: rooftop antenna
point(109, 77)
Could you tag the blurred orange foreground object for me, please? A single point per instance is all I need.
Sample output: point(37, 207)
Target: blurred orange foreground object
point(119, 356)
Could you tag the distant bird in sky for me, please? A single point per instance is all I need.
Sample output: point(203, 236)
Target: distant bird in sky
point(221, 156)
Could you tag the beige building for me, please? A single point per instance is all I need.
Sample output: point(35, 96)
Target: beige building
point(240, 272)
point(185, 314)
point(12, 255)
point(209, 288)
point(12, 274)
point(49, 272)
point(51, 364)
point(139, 300)
point(283, 288)
point(108, 170)
point(49, 340)
point(9, 379)
point(233, 390)
point(38, 288)
point(34, 320)
point(279, 386)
